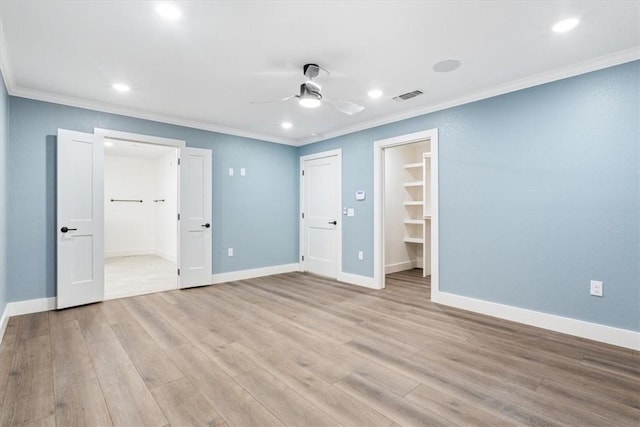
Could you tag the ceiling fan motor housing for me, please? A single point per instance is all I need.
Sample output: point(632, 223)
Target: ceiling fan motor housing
point(311, 71)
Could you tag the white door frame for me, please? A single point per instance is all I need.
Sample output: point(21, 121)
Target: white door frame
point(154, 140)
point(430, 135)
point(314, 156)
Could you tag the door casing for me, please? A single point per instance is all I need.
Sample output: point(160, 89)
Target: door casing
point(378, 205)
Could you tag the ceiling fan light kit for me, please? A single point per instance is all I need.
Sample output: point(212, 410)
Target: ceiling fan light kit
point(310, 95)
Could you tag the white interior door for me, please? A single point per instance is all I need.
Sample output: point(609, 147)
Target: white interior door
point(321, 213)
point(195, 217)
point(80, 223)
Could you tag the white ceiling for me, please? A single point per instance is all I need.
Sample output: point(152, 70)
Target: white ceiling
point(205, 68)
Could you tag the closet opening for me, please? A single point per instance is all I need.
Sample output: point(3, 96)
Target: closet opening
point(405, 209)
point(140, 218)
point(407, 212)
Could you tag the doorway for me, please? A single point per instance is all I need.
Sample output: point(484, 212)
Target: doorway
point(140, 218)
point(80, 205)
point(320, 218)
point(406, 206)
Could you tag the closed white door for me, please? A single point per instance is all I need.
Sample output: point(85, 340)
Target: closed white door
point(321, 215)
point(195, 217)
point(80, 223)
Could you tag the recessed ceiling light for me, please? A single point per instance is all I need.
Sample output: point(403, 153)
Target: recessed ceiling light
point(565, 25)
point(375, 93)
point(446, 66)
point(286, 125)
point(121, 87)
point(168, 11)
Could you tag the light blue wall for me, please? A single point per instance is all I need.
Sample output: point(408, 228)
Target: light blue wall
point(539, 194)
point(255, 214)
point(4, 137)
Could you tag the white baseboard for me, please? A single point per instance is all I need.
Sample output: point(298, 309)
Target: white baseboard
point(25, 307)
point(355, 279)
point(132, 252)
point(165, 255)
point(4, 320)
point(31, 306)
point(399, 266)
point(579, 328)
point(253, 273)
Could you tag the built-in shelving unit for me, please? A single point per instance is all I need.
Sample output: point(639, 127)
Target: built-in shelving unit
point(414, 221)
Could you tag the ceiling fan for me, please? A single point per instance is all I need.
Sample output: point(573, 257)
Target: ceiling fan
point(310, 95)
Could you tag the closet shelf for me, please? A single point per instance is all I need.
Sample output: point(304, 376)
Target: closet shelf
point(413, 165)
point(414, 203)
point(414, 221)
point(414, 184)
point(414, 240)
point(426, 155)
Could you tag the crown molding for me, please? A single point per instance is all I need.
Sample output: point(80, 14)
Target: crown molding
point(594, 64)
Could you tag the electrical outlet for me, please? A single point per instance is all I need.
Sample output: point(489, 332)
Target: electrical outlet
point(596, 288)
point(243, 172)
point(360, 255)
point(230, 252)
point(230, 171)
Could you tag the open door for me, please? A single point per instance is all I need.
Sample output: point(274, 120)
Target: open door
point(80, 219)
point(195, 217)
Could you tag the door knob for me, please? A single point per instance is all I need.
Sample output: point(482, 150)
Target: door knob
point(333, 222)
point(65, 229)
point(207, 225)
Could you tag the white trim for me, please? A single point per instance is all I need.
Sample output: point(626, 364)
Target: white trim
point(430, 135)
point(399, 266)
point(165, 255)
point(31, 306)
point(253, 273)
point(130, 252)
point(136, 137)
point(594, 64)
point(355, 279)
point(330, 153)
point(593, 331)
point(138, 114)
point(4, 321)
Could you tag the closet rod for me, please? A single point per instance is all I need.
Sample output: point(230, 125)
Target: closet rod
point(126, 200)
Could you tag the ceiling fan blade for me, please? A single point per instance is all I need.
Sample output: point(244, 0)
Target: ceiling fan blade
point(277, 100)
point(346, 107)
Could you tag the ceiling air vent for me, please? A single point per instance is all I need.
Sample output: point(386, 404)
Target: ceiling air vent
point(408, 95)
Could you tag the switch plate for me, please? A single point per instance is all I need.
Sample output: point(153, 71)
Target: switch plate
point(230, 171)
point(360, 255)
point(351, 211)
point(596, 288)
point(230, 252)
point(243, 171)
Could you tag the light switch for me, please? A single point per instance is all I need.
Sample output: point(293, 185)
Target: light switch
point(351, 211)
point(230, 171)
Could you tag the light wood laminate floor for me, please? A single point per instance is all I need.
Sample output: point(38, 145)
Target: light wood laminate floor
point(299, 350)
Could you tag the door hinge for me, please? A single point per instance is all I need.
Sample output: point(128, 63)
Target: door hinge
point(302, 257)
point(178, 272)
point(178, 217)
point(303, 173)
point(178, 161)
point(302, 215)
